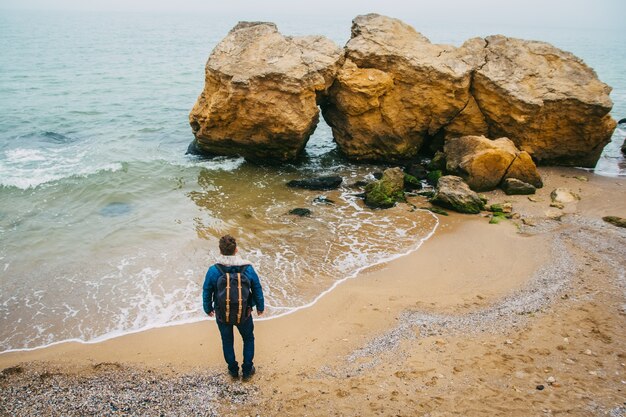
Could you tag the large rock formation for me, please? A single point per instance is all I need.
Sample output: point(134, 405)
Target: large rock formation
point(261, 92)
point(546, 100)
point(396, 88)
point(391, 90)
point(485, 163)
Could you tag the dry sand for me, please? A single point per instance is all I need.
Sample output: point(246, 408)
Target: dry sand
point(473, 323)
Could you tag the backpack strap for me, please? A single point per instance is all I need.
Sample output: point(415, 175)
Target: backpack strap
point(239, 296)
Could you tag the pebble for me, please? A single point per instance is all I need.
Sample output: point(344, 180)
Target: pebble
point(551, 380)
point(588, 352)
point(119, 390)
point(509, 342)
point(540, 387)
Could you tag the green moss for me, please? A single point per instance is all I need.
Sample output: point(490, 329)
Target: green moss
point(433, 177)
point(411, 183)
point(497, 218)
point(379, 195)
point(376, 197)
point(496, 208)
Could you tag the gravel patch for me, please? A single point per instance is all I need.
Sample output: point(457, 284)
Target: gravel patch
point(549, 283)
point(113, 390)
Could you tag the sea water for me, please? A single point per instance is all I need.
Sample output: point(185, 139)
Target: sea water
point(107, 227)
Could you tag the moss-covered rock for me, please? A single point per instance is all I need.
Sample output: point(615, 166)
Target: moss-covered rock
point(385, 192)
point(411, 183)
point(497, 218)
point(501, 208)
point(456, 195)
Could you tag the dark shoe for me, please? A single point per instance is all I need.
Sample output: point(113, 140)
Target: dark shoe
point(248, 375)
point(234, 374)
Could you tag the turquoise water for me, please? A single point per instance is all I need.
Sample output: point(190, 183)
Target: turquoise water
point(106, 227)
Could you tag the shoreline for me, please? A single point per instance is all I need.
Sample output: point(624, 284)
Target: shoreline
point(387, 341)
point(290, 310)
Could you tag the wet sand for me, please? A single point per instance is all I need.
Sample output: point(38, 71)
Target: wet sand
point(473, 323)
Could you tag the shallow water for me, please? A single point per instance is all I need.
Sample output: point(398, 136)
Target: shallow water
point(106, 227)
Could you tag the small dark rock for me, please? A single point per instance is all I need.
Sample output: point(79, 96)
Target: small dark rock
point(540, 387)
point(358, 184)
point(624, 147)
point(302, 212)
point(322, 199)
point(416, 170)
point(318, 183)
point(615, 221)
point(622, 121)
point(378, 175)
point(513, 186)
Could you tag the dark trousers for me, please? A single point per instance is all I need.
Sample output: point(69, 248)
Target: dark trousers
point(246, 330)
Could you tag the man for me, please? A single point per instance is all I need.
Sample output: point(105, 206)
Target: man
point(228, 265)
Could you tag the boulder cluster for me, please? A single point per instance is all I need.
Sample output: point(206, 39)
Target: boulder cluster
point(391, 93)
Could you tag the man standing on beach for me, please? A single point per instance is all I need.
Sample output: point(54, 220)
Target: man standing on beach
point(228, 265)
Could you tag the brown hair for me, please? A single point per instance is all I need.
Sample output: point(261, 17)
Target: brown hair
point(228, 244)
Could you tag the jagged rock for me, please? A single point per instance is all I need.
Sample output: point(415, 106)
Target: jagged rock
point(317, 183)
point(385, 192)
point(454, 194)
point(563, 195)
point(261, 92)
point(302, 212)
point(396, 88)
point(513, 186)
point(546, 100)
point(485, 163)
point(616, 221)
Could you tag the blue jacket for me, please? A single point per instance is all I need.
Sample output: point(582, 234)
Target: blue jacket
point(209, 289)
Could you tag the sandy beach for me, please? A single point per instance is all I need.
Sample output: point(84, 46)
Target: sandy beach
point(524, 317)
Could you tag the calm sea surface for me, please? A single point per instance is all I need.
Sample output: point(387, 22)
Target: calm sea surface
point(106, 227)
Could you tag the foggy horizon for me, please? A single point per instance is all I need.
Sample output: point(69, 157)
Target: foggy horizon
point(571, 14)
